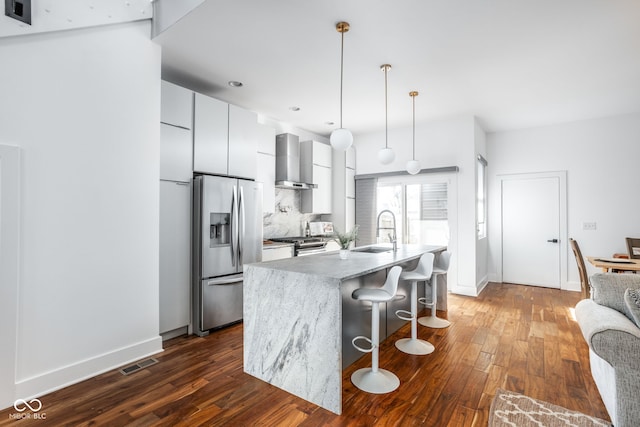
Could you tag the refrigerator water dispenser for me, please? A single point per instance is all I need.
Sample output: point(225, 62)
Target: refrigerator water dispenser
point(219, 229)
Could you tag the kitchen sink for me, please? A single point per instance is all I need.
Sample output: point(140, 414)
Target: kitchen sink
point(374, 249)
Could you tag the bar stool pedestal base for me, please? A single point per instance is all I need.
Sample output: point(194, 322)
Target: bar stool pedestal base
point(434, 322)
point(378, 382)
point(415, 346)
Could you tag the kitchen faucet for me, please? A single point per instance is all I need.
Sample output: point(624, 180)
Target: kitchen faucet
point(394, 239)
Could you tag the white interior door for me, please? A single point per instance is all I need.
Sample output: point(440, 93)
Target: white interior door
point(531, 227)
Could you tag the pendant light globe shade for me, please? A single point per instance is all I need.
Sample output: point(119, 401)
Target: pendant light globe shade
point(386, 156)
point(413, 167)
point(341, 139)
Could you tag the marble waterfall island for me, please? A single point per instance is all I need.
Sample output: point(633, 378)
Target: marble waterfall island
point(299, 317)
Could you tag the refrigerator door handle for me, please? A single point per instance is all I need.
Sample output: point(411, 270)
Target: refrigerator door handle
point(242, 229)
point(234, 226)
point(218, 282)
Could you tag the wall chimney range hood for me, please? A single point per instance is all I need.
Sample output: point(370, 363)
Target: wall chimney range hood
point(288, 163)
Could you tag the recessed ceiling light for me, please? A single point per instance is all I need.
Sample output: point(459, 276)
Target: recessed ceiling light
point(234, 83)
point(294, 108)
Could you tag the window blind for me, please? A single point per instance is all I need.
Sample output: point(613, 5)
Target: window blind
point(433, 202)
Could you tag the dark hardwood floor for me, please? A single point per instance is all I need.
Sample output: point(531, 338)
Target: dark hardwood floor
point(519, 338)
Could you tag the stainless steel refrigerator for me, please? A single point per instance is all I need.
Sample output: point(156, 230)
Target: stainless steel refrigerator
point(227, 234)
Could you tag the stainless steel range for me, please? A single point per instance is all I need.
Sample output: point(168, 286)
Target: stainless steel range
point(304, 245)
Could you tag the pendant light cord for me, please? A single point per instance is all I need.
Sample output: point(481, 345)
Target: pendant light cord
point(386, 121)
point(341, 72)
point(414, 127)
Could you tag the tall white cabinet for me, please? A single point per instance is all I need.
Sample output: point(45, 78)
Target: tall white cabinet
point(344, 189)
point(176, 171)
point(315, 167)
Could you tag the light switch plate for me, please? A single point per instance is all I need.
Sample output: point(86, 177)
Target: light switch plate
point(589, 226)
point(18, 9)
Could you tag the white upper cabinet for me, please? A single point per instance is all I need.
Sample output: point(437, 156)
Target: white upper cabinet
point(350, 184)
point(176, 105)
point(243, 144)
point(176, 148)
point(344, 189)
point(315, 167)
point(175, 153)
point(351, 158)
point(210, 135)
point(266, 139)
point(266, 168)
point(224, 138)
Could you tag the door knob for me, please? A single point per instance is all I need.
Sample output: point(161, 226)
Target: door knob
point(553, 241)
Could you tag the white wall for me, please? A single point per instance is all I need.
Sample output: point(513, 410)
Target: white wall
point(453, 142)
point(84, 107)
point(601, 159)
point(9, 268)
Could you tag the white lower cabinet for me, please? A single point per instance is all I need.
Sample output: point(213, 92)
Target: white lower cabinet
point(280, 252)
point(175, 255)
point(332, 245)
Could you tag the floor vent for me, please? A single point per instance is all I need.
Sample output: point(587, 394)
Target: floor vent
point(137, 366)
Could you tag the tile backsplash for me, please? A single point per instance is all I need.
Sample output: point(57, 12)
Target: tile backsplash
point(287, 220)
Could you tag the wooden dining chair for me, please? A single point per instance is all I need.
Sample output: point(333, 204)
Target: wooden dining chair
point(582, 269)
point(633, 247)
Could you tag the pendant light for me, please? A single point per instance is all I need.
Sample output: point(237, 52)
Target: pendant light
point(386, 155)
point(413, 166)
point(341, 138)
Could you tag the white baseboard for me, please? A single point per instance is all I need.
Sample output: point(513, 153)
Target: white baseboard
point(465, 290)
point(483, 284)
point(572, 286)
point(495, 277)
point(54, 380)
point(470, 291)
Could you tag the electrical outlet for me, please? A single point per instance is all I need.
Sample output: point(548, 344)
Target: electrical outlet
point(18, 9)
point(589, 226)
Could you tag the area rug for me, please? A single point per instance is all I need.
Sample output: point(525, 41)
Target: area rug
point(517, 410)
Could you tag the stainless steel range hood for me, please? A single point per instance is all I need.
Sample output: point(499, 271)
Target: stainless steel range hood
point(288, 163)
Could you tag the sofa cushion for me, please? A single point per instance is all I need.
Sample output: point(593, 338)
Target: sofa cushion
point(632, 302)
point(608, 289)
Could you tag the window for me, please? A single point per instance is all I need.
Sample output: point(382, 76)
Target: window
point(481, 198)
point(421, 211)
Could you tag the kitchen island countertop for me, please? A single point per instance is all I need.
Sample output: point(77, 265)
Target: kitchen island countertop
point(330, 265)
point(293, 317)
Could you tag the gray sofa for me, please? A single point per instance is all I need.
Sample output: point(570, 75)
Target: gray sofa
point(610, 329)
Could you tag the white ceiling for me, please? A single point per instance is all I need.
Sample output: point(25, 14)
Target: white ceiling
point(512, 63)
point(56, 15)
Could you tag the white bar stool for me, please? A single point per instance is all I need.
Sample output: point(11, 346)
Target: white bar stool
point(440, 269)
point(374, 380)
point(422, 272)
